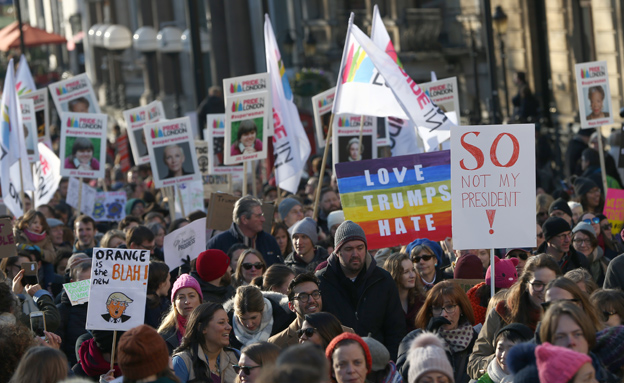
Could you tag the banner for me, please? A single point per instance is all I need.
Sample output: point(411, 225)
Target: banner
point(493, 186)
point(29, 124)
point(118, 288)
point(42, 114)
point(135, 121)
point(614, 209)
point(594, 96)
point(7, 239)
point(398, 199)
point(78, 292)
point(83, 145)
point(404, 139)
point(246, 121)
point(322, 106)
point(346, 138)
point(47, 175)
point(87, 202)
point(74, 95)
point(185, 243)
point(172, 152)
point(109, 206)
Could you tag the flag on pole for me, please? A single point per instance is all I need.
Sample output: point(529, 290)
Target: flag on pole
point(12, 146)
point(24, 82)
point(291, 146)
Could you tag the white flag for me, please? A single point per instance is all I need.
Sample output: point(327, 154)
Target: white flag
point(24, 82)
point(47, 175)
point(291, 146)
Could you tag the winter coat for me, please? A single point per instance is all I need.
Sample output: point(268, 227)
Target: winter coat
point(573, 261)
point(614, 279)
point(183, 364)
point(300, 267)
point(41, 301)
point(73, 323)
point(265, 244)
point(370, 305)
point(156, 310)
point(171, 338)
point(212, 293)
point(48, 254)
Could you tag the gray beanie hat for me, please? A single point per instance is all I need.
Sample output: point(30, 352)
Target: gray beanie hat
point(286, 205)
point(53, 222)
point(335, 217)
point(426, 354)
point(585, 227)
point(348, 231)
point(306, 226)
point(379, 353)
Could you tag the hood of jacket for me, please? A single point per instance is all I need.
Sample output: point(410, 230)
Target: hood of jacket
point(278, 298)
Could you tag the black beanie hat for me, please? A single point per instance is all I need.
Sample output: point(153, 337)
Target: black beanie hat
point(583, 185)
point(560, 204)
point(555, 226)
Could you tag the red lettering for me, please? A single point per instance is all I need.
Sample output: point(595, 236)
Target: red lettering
point(422, 99)
point(514, 155)
point(476, 152)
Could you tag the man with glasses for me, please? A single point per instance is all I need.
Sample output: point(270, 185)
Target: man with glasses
point(247, 229)
point(141, 238)
point(557, 243)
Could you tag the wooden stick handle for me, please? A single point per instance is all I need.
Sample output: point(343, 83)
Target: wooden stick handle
point(361, 134)
point(317, 197)
point(181, 201)
point(80, 195)
point(244, 178)
point(112, 364)
point(603, 171)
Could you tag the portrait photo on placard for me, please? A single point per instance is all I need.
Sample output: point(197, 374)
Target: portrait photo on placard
point(41, 124)
point(596, 102)
point(82, 104)
point(349, 148)
point(174, 160)
point(217, 148)
point(246, 136)
point(139, 139)
point(30, 134)
point(81, 152)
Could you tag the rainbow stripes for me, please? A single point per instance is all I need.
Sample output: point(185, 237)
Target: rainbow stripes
point(72, 122)
point(358, 67)
point(399, 199)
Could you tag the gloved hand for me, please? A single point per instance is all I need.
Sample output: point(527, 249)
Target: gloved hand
point(436, 322)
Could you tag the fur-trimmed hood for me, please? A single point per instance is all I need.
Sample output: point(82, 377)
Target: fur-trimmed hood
point(278, 298)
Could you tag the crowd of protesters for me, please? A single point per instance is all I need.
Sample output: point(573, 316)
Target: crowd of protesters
point(310, 302)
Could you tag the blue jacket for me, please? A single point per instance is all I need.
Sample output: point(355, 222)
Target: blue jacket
point(265, 244)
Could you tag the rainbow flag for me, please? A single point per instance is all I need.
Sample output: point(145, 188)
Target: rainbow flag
point(398, 199)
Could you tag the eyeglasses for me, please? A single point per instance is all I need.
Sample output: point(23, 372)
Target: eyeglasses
point(537, 285)
point(246, 369)
point(607, 314)
point(563, 235)
point(258, 214)
point(607, 227)
point(149, 248)
point(546, 305)
point(580, 241)
point(257, 266)
point(417, 258)
point(450, 309)
point(307, 331)
point(593, 220)
point(304, 297)
point(519, 254)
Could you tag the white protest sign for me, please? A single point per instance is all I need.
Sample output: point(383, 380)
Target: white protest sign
point(78, 292)
point(109, 206)
point(493, 186)
point(87, 202)
point(30, 129)
point(346, 138)
point(187, 241)
point(172, 152)
point(42, 114)
point(322, 105)
point(74, 95)
point(592, 87)
point(118, 289)
point(192, 194)
point(246, 85)
point(444, 93)
point(215, 136)
point(135, 120)
point(47, 175)
point(83, 145)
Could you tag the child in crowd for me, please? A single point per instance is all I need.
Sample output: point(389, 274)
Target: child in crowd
point(506, 338)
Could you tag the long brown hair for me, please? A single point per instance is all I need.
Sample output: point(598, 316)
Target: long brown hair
point(394, 267)
point(556, 311)
point(51, 366)
point(238, 274)
point(23, 222)
point(571, 287)
point(445, 289)
point(248, 299)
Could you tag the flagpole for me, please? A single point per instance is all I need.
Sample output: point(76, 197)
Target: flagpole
point(254, 184)
point(602, 160)
point(323, 165)
point(80, 196)
point(22, 195)
point(171, 202)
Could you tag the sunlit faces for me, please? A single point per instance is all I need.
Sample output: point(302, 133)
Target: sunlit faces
point(249, 275)
point(35, 225)
point(56, 235)
point(556, 294)
point(303, 245)
point(425, 262)
point(246, 361)
point(536, 287)
point(85, 233)
point(502, 348)
point(311, 305)
point(593, 197)
point(330, 202)
point(582, 243)
point(449, 310)
point(186, 300)
point(255, 221)
point(309, 334)
point(561, 242)
point(484, 256)
point(115, 242)
point(251, 321)
point(408, 277)
point(294, 215)
point(217, 332)
point(282, 241)
point(570, 335)
point(349, 364)
point(352, 257)
point(174, 159)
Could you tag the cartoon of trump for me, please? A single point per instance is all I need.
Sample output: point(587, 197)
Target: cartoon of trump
point(116, 304)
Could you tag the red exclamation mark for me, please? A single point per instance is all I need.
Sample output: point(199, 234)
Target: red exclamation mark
point(490, 215)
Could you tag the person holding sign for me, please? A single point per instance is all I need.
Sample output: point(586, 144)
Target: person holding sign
point(174, 158)
point(82, 156)
point(596, 95)
point(246, 139)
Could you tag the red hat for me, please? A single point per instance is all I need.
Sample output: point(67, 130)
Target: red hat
point(558, 364)
point(212, 264)
point(468, 266)
point(348, 335)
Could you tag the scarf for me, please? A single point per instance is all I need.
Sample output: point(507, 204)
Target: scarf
point(496, 373)
point(181, 326)
point(393, 375)
point(34, 237)
point(92, 361)
point(262, 333)
point(459, 338)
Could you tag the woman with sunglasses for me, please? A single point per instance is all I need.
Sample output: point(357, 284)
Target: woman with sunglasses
point(584, 241)
point(424, 255)
point(319, 329)
point(612, 248)
point(256, 315)
point(447, 312)
point(250, 264)
point(610, 305)
point(253, 359)
point(563, 289)
point(522, 304)
point(204, 355)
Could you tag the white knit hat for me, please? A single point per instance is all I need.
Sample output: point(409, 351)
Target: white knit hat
point(427, 354)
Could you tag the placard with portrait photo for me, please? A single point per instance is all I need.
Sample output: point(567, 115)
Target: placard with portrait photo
point(592, 86)
point(42, 114)
point(74, 95)
point(135, 119)
point(171, 150)
point(83, 144)
point(247, 118)
point(246, 85)
point(321, 108)
point(215, 136)
point(346, 138)
point(30, 129)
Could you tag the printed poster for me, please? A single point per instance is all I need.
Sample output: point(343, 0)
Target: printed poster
point(47, 175)
point(614, 209)
point(211, 183)
point(74, 95)
point(346, 138)
point(118, 289)
point(30, 129)
point(87, 202)
point(592, 87)
point(215, 136)
point(83, 145)
point(246, 85)
point(444, 93)
point(7, 239)
point(42, 114)
point(109, 206)
point(192, 195)
point(171, 150)
point(185, 243)
point(322, 106)
point(78, 292)
point(135, 121)
point(247, 119)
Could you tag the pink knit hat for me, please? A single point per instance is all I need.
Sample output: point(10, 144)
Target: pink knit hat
point(557, 364)
point(183, 281)
point(505, 273)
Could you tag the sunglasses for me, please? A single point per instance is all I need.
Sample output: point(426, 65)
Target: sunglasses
point(246, 369)
point(307, 331)
point(519, 254)
point(607, 314)
point(593, 220)
point(546, 305)
point(417, 258)
point(257, 266)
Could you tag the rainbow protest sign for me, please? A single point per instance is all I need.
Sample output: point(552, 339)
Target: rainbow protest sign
point(398, 199)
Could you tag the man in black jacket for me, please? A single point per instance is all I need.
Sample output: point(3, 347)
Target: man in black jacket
point(360, 294)
point(557, 244)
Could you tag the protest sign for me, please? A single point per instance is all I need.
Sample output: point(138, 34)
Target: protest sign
point(192, 195)
point(172, 152)
point(109, 206)
point(29, 124)
point(47, 175)
point(322, 106)
point(594, 96)
point(118, 288)
point(219, 216)
point(246, 85)
point(7, 240)
point(135, 121)
point(211, 183)
point(403, 137)
point(87, 200)
point(215, 136)
point(78, 292)
point(493, 186)
point(246, 121)
point(614, 209)
point(444, 93)
point(74, 95)
point(83, 145)
point(346, 138)
point(121, 147)
point(398, 199)
point(185, 243)
point(42, 114)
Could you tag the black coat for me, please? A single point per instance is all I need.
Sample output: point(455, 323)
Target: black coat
point(300, 267)
point(73, 323)
point(156, 310)
point(574, 260)
point(265, 244)
point(212, 293)
point(369, 305)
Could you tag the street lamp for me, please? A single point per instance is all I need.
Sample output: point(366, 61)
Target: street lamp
point(499, 20)
point(116, 39)
point(170, 43)
point(471, 22)
point(144, 41)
